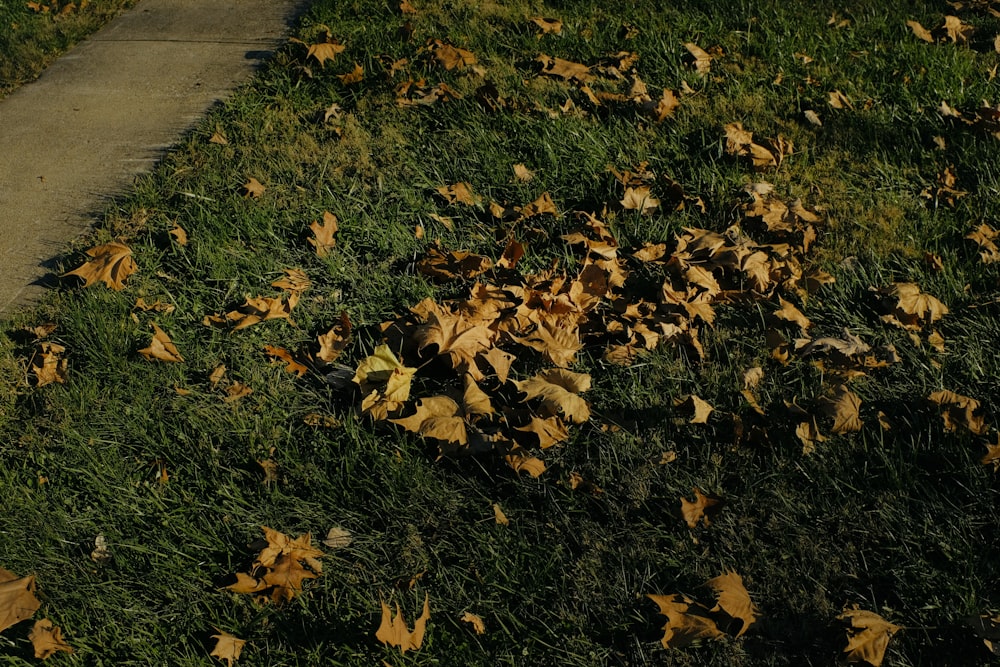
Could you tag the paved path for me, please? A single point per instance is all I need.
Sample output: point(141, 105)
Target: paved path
point(107, 110)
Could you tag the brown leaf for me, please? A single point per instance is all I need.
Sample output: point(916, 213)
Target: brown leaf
point(577, 482)
point(254, 311)
point(564, 69)
point(868, 636)
point(384, 381)
point(295, 280)
point(687, 621)
point(957, 31)
point(920, 31)
point(477, 623)
point(451, 57)
point(253, 189)
point(912, 308)
point(278, 572)
point(219, 138)
point(790, 313)
point(808, 433)
point(324, 234)
point(843, 406)
point(180, 236)
point(959, 411)
point(356, 75)
point(334, 341)
point(458, 193)
point(548, 26)
point(292, 365)
point(992, 455)
point(392, 631)
point(48, 364)
point(557, 342)
point(328, 50)
point(986, 237)
point(458, 338)
point(438, 417)
point(112, 264)
point(549, 431)
point(529, 464)
point(157, 306)
point(699, 409)
point(639, 199)
point(523, 174)
point(839, 101)
point(227, 647)
point(699, 510)
point(453, 264)
point(337, 538)
point(499, 516)
point(700, 59)
point(733, 599)
point(47, 639)
point(17, 598)
point(558, 390)
point(406, 8)
point(216, 375)
point(236, 391)
point(541, 206)
point(161, 348)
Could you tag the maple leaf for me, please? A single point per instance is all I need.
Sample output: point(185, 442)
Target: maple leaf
point(522, 463)
point(700, 509)
point(563, 69)
point(356, 75)
point(292, 365)
point(992, 455)
point(112, 264)
point(920, 31)
point(868, 636)
point(541, 206)
point(912, 309)
point(548, 26)
point(475, 621)
point(280, 568)
point(324, 234)
point(557, 390)
point(955, 30)
point(180, 236)
point(733, 599)
point(458, 193)
point(456, 337)
point(295, 281)
point(557, 341)
point(986, 237)
point(392, 631)
point(453, 264)
point(254, 311)
point(47, 640)
point(523, 174)
point(790, 313)
point(451, 57)
point(549, 431)
point(333, 342)
point(157, 306)
point(17, 598)
point(843, 406)
point(323, 51)
point(253, 189)
point(958, 410)
point(808, 433)
point(499, 361)
point(838, 100)
point(384, 381)
point(48, 364)
point(227, 647)
point(438, 417)
point(498, 515)
point(700, 59)
point(687, 621)
point(161, 348)
point(639, 199)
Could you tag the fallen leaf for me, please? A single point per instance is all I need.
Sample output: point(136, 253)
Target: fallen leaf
point(219, 138)
point(843, 406)
point(324, 239)
point(911, 308)
point(292, 365)
point(700, 59)
point(986, 237)
point(337, 538)
point(458, 193)
point(577, 482)
point(959, 411)
point(523, 174)
point(808, 433)
point(453, 264)
point(236, 391)
point(639, 199)
point(392, 631)
point(699, 409)
point(558, 390)
point(295, 281)
point(100, 553)
point(216, 375)
point(384, 382)
point(334, 341)
point(733, 599)
point(920, 31)
point(356, 75)
point(564, 69)
point(227, 647)
point(477, 623)
point(499, 516)
point(839, 101)
point(406, 8)
point(279, 571)
point(700, 510)
point(156, 307)
point(451, 57)
point(180, 236)
point(47, 639)
point(17, 598)
point(548, 26)
point(957, 31)
point(687, 621)
point(161, 348)
point(812, 117)
point(253, 189)
point(112, 264)
point(868, 636)
point(48, 364)
point(323, 51)
point(790, 313)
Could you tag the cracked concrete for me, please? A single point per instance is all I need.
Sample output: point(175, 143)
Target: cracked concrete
point(107, 111)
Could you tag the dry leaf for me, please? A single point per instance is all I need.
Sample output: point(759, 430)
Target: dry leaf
point(47, 639)
point(356, 75)
point(808, 433)
point(700, 59)
point(959, 411)
point(100, 553)
point(17, 598)
point(236, 391)
point(161, 348)
point(334, 341)
point(157, 306)
point(227, 647)
point(48, 364)
point(839, 101)
point(699, 409)
point(557, 390)
point(337, 538)
point(563, 69)
point(292, 365)
point(920, 31)
point(218, 138)
point(639, 199)
point(499, 516)
point(843, 406)
point(577, 482)
point(392, 631)
point(253, 189)
point(912, 308)
point(523, 174)
point(324, 234)
point(733, 599)
point(254, 311)
point(216, 375)
point(324, 51)
point(477, 623)
point(112, 264)
point(957, 31)
point(278, 572)
point(699, 510)
point(458, 193)
point(451, 57)
point(548, 26)
point(384, 381)
point(295, 280)
point(180, 236)
point(812, 117)
point(687, 621)
point(868, 637)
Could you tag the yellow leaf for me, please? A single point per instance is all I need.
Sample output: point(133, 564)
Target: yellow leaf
point(17, 598)
point(563, 69)
point(523, 174)
point(227, 647)
point(392, 631)
point(868, 636)
point(112, 264)
point(324, 234)
point(808, 433)
point(47, 640)
point(333, 342)
point(451, 57)
point(700, 59)
point(499, 516)
point(477, 623)
point(733, 599)
point(161, 348)
point(179, 235)
point(550, 431)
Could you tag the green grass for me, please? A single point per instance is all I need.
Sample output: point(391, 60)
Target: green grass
point(900, 521)
point(30, 40)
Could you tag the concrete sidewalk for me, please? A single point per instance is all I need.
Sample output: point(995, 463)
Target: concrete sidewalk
point(108, 110)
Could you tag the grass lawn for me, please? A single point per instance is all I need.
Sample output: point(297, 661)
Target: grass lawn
point(33, 34)
point(818, 315)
